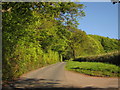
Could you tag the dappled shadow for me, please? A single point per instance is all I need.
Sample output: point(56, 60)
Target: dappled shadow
point(60, 88)
point(45, 84)
point(34, 83)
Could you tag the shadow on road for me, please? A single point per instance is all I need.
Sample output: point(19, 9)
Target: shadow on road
point(60, 88)
point(45, 84)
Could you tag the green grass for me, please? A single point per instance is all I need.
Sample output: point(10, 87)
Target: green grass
point(94, 68)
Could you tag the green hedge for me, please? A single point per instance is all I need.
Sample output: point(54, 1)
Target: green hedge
point(112, 58)
point(26, 56)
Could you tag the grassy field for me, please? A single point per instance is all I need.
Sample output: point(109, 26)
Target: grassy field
point(94, 68)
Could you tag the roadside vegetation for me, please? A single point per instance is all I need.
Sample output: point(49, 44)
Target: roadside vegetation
point(108, 44)
point(94, 68)
point(36, 34)
point(111, 58)
point(104, 65)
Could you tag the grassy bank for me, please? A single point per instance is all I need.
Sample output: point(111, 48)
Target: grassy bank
point(94, 68)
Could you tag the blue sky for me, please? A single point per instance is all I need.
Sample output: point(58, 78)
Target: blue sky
point(101, 19)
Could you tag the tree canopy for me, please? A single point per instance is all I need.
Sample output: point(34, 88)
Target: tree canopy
point(41, 33)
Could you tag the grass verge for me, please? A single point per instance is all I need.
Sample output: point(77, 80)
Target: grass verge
point(94, 68)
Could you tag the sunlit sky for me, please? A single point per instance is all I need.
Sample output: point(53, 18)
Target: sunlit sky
point(101, 19)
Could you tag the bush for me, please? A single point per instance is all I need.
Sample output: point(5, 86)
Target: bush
point(106, 58)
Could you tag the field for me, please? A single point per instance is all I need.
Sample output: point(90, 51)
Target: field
point(94, 68)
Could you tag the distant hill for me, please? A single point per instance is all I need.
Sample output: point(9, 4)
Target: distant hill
point(108, 44)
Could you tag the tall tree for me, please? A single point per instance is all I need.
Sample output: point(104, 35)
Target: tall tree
point(76, 39)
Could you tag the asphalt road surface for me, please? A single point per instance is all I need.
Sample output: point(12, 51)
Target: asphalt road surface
point(55, 76)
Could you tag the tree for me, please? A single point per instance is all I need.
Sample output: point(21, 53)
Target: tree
point(76, 39)
point(35, 33)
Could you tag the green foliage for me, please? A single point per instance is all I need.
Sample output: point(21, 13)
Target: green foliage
point(35, 35)
point(111, 58)
point(75, 40)
point(90, 47)
point(94, 68)
point(107, 43)
point(82, 44)
point(25, 57)
point(94, 47)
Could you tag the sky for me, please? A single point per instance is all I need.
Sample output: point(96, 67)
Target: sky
point(101, 19)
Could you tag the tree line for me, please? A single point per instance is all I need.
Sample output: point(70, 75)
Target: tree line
point(36, 34)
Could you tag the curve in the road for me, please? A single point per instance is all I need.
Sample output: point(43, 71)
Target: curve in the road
point(56, 76)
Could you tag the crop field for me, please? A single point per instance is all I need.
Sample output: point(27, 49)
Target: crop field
point(94, 68)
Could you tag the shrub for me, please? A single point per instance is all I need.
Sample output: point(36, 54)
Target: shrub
point(111, 57)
